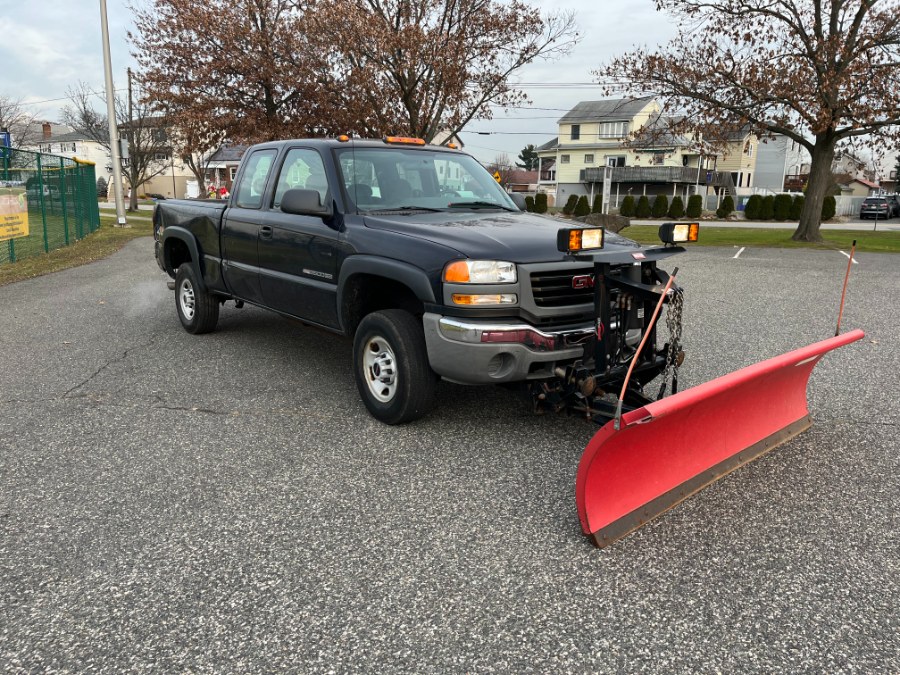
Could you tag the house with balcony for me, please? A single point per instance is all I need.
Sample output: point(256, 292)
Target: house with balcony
point(633, 138)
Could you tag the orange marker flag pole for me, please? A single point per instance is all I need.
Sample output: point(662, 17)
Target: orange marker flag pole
point(634, 360)
point(837, 330)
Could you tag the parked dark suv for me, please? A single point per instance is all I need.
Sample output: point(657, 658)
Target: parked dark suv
point(894, 201)
point(877, 207)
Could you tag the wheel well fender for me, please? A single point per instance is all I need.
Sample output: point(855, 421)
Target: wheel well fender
point(369, 283)
point(180, 247)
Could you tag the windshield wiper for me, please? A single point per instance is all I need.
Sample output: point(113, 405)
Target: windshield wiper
point(479, 205)
point(405, 209)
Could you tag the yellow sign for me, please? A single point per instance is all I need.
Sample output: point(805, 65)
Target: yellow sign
point(13, 213)
point(497, 176)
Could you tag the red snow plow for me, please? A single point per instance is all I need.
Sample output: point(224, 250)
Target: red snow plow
point(653, 453)
point(669, 449)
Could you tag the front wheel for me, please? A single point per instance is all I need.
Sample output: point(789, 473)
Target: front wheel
point(391, 367)
point(198, 310)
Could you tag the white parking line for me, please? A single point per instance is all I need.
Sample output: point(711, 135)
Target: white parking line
point(738, 253)
point(853, 259)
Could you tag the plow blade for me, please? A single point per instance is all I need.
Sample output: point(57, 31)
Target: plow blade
point(669, 449)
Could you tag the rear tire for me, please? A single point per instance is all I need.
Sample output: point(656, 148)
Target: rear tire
point(197, 309)
point(390, 364)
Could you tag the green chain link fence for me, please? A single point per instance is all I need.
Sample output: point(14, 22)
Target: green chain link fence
point(58, 194)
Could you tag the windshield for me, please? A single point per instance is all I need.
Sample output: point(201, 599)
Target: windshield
point(398, 178)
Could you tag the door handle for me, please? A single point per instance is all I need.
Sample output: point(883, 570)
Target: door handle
point(265, 231)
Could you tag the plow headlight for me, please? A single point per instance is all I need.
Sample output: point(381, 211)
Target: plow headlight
point(677, 233)
point(579, 239)
point(480, 272)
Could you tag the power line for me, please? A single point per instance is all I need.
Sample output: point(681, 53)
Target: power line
point(65, 98)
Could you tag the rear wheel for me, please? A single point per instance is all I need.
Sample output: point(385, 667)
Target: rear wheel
point(198, 310)
point(391, 367)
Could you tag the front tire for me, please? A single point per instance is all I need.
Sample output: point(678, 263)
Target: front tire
point(390, 364)
point(198, 310)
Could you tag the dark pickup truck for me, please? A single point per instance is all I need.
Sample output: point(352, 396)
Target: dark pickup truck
point(417, 253)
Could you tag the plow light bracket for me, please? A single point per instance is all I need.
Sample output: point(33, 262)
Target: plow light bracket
point(574, 240)
point(677, 233)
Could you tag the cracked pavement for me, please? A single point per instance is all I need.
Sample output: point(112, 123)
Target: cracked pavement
point(223, 503)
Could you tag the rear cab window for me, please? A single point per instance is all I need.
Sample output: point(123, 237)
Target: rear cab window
point(253, 180)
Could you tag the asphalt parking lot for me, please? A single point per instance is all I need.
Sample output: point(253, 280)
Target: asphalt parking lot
point(223, 503)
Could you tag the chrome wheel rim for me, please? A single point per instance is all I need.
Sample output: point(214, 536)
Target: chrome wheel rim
point(380, 368)
point(186, 299)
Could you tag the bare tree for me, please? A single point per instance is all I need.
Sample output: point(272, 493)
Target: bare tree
point(149, 147)
point(251, 70)
point(420, 67)
point(819, 72)
point(265, 69)
point(501, 165)
point(18, 121)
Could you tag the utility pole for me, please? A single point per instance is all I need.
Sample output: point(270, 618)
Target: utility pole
point(133, 197)
point(111, 118)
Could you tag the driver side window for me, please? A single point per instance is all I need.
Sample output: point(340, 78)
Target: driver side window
point(302, 168)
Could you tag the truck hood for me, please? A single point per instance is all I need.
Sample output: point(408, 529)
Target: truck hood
point(517, 237)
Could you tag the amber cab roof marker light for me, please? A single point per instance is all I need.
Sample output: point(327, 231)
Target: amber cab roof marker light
point(404, 140)
point(343, 138)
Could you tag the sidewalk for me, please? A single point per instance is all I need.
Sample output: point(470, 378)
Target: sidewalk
point(892, 225)
point(111, 206)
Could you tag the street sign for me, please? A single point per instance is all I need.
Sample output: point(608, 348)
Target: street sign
point(497, 176)
point(5, 139)
point(13, 213)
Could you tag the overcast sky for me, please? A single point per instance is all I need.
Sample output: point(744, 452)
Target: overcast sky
point(49, 45)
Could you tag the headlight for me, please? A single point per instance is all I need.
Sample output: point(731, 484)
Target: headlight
point(572, 240)
point(480, 272)
point(676, 233)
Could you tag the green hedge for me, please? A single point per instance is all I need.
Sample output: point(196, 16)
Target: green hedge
point(626, 208)
point(782, 207)
point(598, 204)
point(582, 208)
point(753, 207)
point(767, 208)
point(797, 206)
point(695, 206)
point(642, 210)
point(569, 208)
point(726, 208)
point(540, 202)
point(676, 208)
point(529, 204)
point(829, 207)
point(660, 206)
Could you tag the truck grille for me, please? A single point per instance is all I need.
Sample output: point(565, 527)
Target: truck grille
point(553, 288)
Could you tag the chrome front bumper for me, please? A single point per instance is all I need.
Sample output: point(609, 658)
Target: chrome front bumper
point(483, 352)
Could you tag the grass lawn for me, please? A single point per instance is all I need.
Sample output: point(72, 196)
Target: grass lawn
point(105, 241)
point(109, 239)
point(869, 242)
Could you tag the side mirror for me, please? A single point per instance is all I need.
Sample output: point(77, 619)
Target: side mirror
point(302, 202)
point(518, 199)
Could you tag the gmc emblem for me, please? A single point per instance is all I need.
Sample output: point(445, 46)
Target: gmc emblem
point(582, 281)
